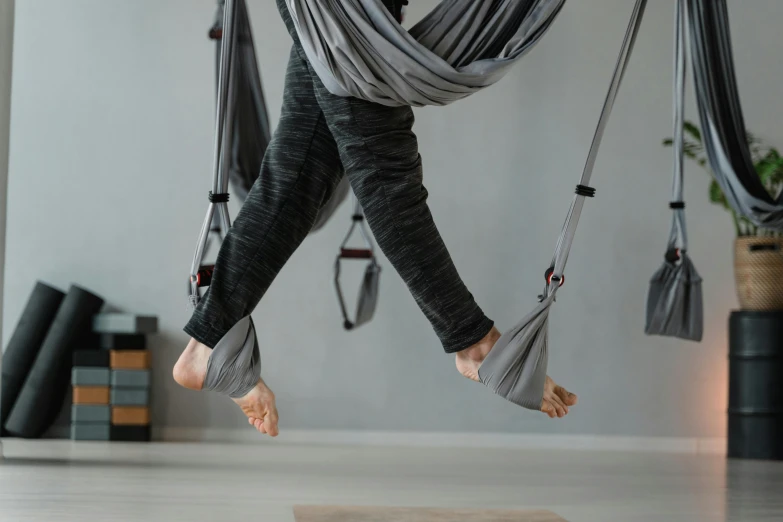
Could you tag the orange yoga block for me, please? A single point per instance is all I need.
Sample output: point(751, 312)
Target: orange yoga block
point(91, 395)
point(130, 416)
point(130, 359)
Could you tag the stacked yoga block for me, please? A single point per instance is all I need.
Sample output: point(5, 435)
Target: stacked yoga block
point(111, 383)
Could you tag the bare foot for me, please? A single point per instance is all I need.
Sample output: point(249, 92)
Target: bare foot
point(556, 400)
point(259, 404)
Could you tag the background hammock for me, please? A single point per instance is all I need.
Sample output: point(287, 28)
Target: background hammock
point(251, 127)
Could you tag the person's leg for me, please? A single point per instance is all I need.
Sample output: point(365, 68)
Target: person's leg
point(300, 172)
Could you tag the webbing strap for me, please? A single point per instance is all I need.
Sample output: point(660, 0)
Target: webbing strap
point(223, 130)
point(678, 237)
point(566, 238)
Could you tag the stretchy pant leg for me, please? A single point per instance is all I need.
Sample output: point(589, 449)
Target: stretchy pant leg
point(379, 151)
point(300, 171)
point(380, 154)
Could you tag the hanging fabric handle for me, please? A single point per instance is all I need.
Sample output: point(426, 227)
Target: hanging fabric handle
point(365, 306)
point(678, 237)
point(563, 248)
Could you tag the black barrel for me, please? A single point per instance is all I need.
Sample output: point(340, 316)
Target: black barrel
point(756, 385)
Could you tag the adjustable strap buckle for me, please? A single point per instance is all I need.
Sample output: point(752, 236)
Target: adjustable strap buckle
point(673, 255)
point(550, 276)
point(203, 277)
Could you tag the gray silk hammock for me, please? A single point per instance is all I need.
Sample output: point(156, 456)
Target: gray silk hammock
point(675, 300)
point(720, 114)
point(463, 46)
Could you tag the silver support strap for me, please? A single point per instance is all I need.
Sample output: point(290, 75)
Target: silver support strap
point(678, 238)
point(566, 238)
point(222, 143)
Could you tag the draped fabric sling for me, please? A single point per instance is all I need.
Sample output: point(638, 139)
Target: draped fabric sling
point(674, 300)
point(358, 49)
point(720, 113)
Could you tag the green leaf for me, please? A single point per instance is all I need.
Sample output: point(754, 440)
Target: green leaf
point(691, 151)
point(668, 142)
point(765, 170)
point(693, 130)
point(716, 195)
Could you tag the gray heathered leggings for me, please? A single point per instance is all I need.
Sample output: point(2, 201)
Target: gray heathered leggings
point(320, 138)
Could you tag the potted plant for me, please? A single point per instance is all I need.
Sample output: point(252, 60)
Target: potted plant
point(758, 252)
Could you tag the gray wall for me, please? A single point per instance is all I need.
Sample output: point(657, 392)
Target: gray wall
point(6, 55)
point(110, 164)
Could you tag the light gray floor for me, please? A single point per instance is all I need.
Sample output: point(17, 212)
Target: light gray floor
point(63, 481)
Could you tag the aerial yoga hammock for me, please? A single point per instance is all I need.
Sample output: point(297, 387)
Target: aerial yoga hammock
point(247, 141)
point(720, 113)
point(466, 45)
point(674, 301)
point(358, 49)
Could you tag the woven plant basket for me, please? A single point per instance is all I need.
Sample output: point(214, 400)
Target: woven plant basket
point(758, 272)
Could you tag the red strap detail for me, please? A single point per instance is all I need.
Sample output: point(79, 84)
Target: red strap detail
point(355, 253)
point(204, 275)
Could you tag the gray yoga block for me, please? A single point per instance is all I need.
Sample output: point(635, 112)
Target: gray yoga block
point(124, 324)
point(90, 376)
point(81, 413)
point(91, 431)
point(130, 378)
point(130, 396)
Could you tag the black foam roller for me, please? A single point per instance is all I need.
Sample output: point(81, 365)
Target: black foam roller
point(46, 385)
point(26, 342)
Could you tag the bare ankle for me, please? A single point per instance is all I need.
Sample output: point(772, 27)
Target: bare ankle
point(478, 352)
point(191, 368)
